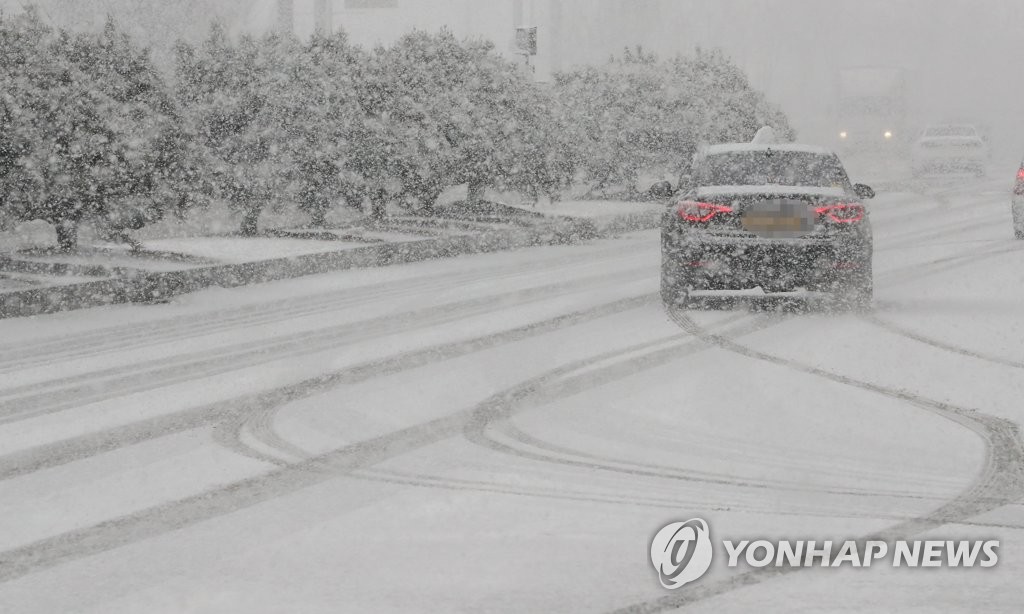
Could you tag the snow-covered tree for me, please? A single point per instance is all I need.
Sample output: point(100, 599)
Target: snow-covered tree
point(324, 80)
point(402, 150)
point(443, 112)
point(733, 111)
point(638, 112)
point(86, 131)
point(542, 145)
point(236, 99)
point(623, 111)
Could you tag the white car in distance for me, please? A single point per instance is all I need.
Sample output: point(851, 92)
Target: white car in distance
point(949, 148)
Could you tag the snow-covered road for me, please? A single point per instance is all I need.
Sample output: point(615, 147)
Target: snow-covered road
point(506, 432)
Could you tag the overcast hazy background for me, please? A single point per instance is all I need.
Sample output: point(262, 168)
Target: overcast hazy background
point(962, 56)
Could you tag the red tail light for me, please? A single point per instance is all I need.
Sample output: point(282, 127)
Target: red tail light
point(1020, 174)
point(700, 212)
point(843, 214)
point(1019, 188)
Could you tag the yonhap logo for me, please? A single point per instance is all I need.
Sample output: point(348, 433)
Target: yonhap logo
point(681, 552)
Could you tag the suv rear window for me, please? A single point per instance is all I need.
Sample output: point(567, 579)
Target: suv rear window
point(792, 168)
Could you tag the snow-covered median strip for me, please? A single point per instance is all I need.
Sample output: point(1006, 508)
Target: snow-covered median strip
point(261, 259)
point(247, 249)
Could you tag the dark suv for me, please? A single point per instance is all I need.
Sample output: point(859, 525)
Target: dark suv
point(781, 217)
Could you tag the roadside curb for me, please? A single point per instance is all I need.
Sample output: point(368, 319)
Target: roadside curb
point(161, 286)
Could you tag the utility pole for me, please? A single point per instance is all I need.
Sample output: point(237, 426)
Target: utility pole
point(525, 33)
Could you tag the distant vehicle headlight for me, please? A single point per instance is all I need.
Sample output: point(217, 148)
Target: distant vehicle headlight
point(842, 134)
point(887, 134)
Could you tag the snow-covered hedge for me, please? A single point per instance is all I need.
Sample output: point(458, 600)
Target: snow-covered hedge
point(325, 122)
point(89, 130)
point(639, 112)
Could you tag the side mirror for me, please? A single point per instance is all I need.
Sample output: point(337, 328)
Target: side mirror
point(662, 189)
point(863, 191)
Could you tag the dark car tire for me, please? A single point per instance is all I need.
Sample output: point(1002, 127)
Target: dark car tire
point(855, 290)
point(673, 294)
point(862, 295)
point(674, 288)
point(856, 293)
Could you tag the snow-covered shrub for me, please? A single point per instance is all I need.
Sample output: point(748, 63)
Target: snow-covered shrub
point(321, 85)
point(638, 112)
point(235, 97)
point(444, 112)
point(87, 131)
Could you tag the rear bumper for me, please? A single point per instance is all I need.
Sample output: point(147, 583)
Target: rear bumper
point(948, 161)
point(706, 261)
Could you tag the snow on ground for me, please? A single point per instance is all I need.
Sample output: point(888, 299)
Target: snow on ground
point(108, 259)
point(12, 281)
point(505, 432)
point(593, 208)
point(363, 234)
point(246, 249)
point(26, 235)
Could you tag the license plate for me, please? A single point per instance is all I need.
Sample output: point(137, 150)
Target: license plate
point(781, 218)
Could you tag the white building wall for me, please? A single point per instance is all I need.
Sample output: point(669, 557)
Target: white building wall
point(491, 20)
point(374, 22)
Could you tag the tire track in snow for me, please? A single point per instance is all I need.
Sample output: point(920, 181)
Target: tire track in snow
point(85, 392)
point(81, 390)
point(943, 207)
point(936, 343)
point(541, 450)
point(199, 506)
point(458, 484)
point(1001, 480)
point(478, 431)
point(563, 494)
point(946, 263)
point(233, 411)
point(174, 515)
point(260, 425)
point(101, 538)
point(513, 432)
point(919, 237)
point(942, 203)
point(114, 338)
point(269, 437)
